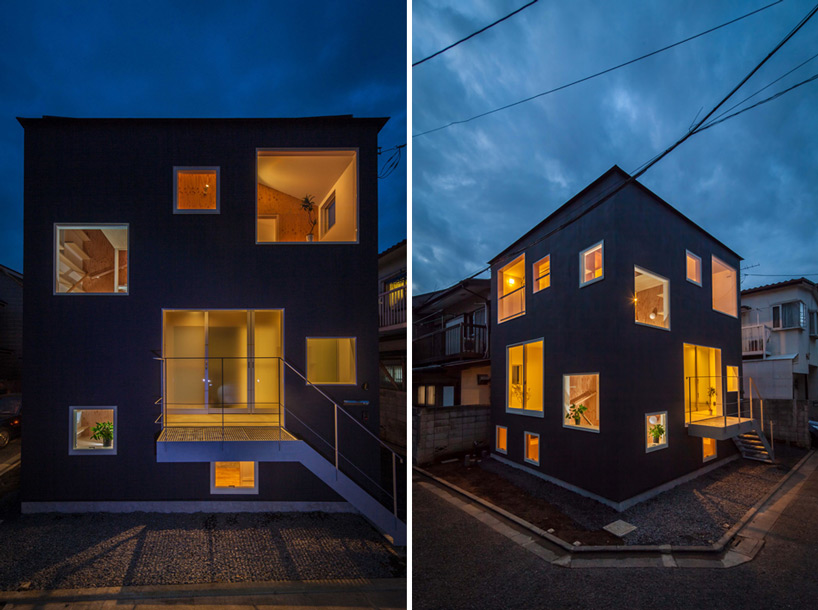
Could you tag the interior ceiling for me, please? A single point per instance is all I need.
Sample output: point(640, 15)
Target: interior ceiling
point(644, 281)
point(117, 237)
point(312, 173)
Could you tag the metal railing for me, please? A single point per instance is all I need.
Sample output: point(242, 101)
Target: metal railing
point(452, 343)
point(511, 304)
point(392, 308)
point(754, 339)
point(711, 397)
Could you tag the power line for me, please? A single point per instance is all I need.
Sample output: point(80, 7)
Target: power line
point(473, 34)
point(795, 275)
point(592, 76)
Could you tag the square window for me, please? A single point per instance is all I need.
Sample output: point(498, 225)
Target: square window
point(91, 259)
point(732, 379)
point(651, 301)
point(92, 430)
point(542, 273)
point(532, 448)
point(312, 195)
point(501, 441)
point(725, 288)
point(580, 400)
point(511, 290)
point(525, 378)
point(331, 360)
point(196, 190)
point(591, 264)
point(655, 431)
point(233, 477)
point(708, 449)
point(694, 268)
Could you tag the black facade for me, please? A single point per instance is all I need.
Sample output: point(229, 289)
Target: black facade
point(591, 329)
point(98, 350)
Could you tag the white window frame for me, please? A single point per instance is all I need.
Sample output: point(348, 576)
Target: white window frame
point(323, 214)
point(97, 450)
point(803, 317)
point(526, 434)
point(601, 245)
point(90, 226)
point(233, 490)
point(521, 288)
point(701, 268)
point(529, 412)
point(565, 407)
point(535, 279)
point(662, 414)
point(185, 168)
point(715, 451)
point(713, 258)
point(496, 446)
point(665, 297)
point(307, 360)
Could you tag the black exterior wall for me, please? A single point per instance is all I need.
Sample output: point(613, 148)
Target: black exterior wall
point(95, 350)
point(592, 330)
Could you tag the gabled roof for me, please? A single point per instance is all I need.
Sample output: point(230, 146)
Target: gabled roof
point(614, 172)
point(801, 280)
point(442, 298)
point(341, 118)
point(398, 245)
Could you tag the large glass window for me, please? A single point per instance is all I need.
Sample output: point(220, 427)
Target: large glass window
point(694, 268)
point(196, 190)
point(542, 273)
point(91, 259)
point(592, 264)
point(525, 377)
point(511, 290)
point(580, 401)
point(307, 196)
point(501, 440)
point(331, 360)
point(93, 430)
point(532, 448)
point(234, 477)
point(732, 379)
point(651, 300)
point(725, 288)
point(703, 383)
point(655, 431)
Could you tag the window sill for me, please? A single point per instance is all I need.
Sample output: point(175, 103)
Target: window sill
point(526, 412)
point(583, 428)
point(656, 447)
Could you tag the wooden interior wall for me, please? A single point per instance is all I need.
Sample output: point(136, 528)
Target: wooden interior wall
point(293, 223)
point(646, 300)
point(585, 391)
point(123, 267)
point(192, 193)
point(101, 260)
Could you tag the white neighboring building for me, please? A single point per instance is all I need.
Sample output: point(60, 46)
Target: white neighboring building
point(779, 338)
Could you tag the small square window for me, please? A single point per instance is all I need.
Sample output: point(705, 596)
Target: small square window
point(592, 264)
point(694, 268)
point(655, 431)
point(581, 401)
point(532, 448)
point(196, 190)
point(331, 360)
point(732, 379)
point(501, 441)
point(91, 259)
point(92, 431)
point(708, 449)
point(542, 273)
point(234, 477)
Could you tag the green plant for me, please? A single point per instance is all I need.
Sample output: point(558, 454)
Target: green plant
point(103, 431)
point(657, 431)
point(711, 393)
point(308, 205)
point(575, 412)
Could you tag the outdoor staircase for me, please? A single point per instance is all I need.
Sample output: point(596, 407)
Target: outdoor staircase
point(754, 446)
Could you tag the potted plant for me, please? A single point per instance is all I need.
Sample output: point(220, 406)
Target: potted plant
point(712, 402)
point(308, 205)
point(657, 431)
point(103, 431)
point(575, 412)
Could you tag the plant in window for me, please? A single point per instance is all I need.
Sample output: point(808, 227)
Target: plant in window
point(575, 412)
point(657, 431)
point(711, 392)
point(308, 205)
point(103, 431)
point(520, 394)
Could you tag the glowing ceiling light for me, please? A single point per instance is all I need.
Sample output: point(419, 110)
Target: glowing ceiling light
point(511, 281)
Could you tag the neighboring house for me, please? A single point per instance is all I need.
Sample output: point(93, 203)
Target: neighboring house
point(451, 370)
point(616, 346)
point(779, 339)
point(200, 319)
point(11, 330)
point(392, 344)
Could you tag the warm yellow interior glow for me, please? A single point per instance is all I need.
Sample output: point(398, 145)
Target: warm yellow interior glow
point(592, 264)
point(331, 360)
point(708, 448)
point(91, 259)
point(502, 438)
point(542, 273)
point(511, 289)
point(196, 189)
point(581, 390)
point(532, 447)
point(234, 474)
point(84, 422)
point(657, 419)
point(725, 288)
point(702, 381)
point(732, 379)
point(652, 300)
point(525, 376)
point(694, 268)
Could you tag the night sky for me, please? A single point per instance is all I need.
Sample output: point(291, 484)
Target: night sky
point(200, 59)
point(752, 181)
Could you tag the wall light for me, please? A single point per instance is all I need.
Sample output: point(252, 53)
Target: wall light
point(511, 281)
point(653, 314)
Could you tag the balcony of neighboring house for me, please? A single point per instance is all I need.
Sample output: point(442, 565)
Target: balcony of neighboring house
point(392, 306)
point(457, 341)
point(755, 340)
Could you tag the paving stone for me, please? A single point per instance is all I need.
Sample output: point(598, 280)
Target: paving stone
point(619, 528)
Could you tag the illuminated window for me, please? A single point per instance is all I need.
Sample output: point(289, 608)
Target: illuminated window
point(732, 379)
point(542, 273)
point(708, 449)
point(430, 395)
point(725, 288)
point(694, 268)
point(91, 258)
point(331, 360)
point(655, 431)
point(580, 401)
point(395, 289)
point(532, 448)
point(501, 441)
point(524, 380)
point(421, 394)
point(703, 382)
point(591, 264)
point(92, 430)
point(234, 477)
point(511, 290)
point(196, 190)
point(652, 299)
point(306, 196)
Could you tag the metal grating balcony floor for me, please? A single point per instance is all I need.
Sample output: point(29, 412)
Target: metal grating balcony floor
point(230, 433)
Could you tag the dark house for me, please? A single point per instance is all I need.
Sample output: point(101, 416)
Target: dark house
point(616, 346)
point(11, 330)
point(201, 329)
point(392, 344)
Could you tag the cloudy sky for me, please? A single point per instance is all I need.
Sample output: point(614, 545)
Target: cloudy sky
point(750, 181)
point(199, 59)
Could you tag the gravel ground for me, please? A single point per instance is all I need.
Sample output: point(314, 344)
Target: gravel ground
point(54, 551)
point(697, 512)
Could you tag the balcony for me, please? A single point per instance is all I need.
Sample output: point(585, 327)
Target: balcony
point(715, 410)
point(392, 309)
point(458, 342)
point(754, 340)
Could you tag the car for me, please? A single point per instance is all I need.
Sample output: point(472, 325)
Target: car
point(10, 406)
